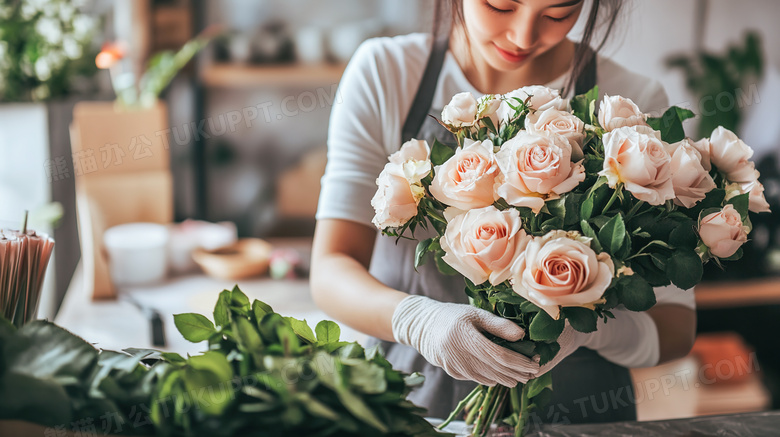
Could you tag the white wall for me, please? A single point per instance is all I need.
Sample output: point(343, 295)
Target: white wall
point(655, 29)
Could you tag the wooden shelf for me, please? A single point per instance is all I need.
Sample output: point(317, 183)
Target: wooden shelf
point(735, 294)
point(238, 76)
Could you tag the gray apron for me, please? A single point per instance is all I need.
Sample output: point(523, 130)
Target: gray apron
point(587, 388)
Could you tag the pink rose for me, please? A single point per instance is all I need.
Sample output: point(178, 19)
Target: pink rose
point(535, 169)
point(553, 121)
point(618, 111)
point(560, 269)
point(690, 180)
point(757, 200)
point(461, 111)
point(636, 157)
point(466, 180)
point(541, 98)
point(731, 155)
point(417, 150)
point(399, 193)
point(703, 147)
point(723, 232)
point(482, 244)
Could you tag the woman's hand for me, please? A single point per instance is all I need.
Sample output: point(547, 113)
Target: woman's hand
point(450, 336)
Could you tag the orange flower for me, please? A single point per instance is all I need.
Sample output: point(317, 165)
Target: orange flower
point(109, 55)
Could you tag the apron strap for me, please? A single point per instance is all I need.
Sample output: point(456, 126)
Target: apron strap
point(422, 100)
point(587, 78)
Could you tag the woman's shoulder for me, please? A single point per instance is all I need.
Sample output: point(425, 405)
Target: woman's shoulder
point(615, 79)
point(401, 52)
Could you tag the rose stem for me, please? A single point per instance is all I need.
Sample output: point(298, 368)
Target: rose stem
point(24, 222)
point(611, 199)
point(483, 410)
point(459, 408)
point(472, 410)
point(485, 415)
point(514, 398)
point(522, 419)
point(499, 406)
point(634, 209)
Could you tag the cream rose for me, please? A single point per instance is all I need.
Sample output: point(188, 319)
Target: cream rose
point(461, 111)
point(417, 150)
point(553, 121)
point(560, 270)
point(690, 180)
point(488, 107)
point(535, 169)
point(399, 193)
point(723, 232)
point(636, 157)
point(541, 98)
point(731, 155)
point(466, 180)
point(482, 244)
point(618, 111)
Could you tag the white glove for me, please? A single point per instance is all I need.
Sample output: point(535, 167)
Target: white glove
point(449, 336)
point(629, 340)
point(570, 340)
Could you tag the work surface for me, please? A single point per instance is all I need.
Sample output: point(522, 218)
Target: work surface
point(764, 424)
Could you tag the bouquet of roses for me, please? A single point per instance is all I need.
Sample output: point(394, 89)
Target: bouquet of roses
point(556, 215)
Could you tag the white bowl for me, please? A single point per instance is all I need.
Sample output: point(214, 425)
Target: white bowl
point(137, 253)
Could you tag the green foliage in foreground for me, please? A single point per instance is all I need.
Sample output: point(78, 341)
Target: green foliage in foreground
point(263, 375)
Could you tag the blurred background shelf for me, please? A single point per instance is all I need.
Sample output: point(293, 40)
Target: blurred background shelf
point(238, 76)
point(729, 294)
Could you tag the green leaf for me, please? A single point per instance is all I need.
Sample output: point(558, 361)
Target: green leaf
point(581, 319)
point(421, 251)
point(173, 357)
point(214, 362)
point(367, 377)
point(222, 309)
point(248, 338)
point(302, 329)
point(588, 231)
point(582, 107)
point(684, 236)
point(536, 385)
point(194, 327)
point(238, 298)
point(613, 234)
point(635, 293)
point(684, 268)
point(209, 373)
point(670, 123)
point(260, 309)
point(327, 332)
point(547, 351)
point(440, 153)
point(544, 327)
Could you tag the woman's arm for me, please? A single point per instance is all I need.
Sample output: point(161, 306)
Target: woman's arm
point(676, 326)
point(340, 283)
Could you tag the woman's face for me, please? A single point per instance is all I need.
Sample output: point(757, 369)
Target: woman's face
point(506, 33)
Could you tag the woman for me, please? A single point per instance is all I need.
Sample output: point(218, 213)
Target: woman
point(422, 318)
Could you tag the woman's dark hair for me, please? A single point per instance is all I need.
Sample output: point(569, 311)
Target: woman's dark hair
point(450, 12)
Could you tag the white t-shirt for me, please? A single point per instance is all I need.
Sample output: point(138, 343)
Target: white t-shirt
point(374, 97)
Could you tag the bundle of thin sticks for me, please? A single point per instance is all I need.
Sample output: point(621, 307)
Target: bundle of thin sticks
point(24, 256)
